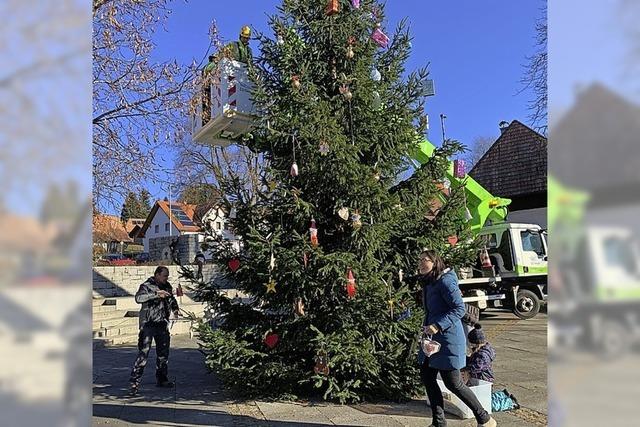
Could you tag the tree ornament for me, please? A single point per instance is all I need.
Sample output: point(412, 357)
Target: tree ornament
point(391, 302)
point(295, 82)
point(305, 259)
point(351, 284)
point(234, 264)
point(404, 315)
point(343, 213)
point(333, 7)
point(355, 4)
point(377, 176)
point(346, 92)
point(375, 75)
point(271, 286)
point(313, 231)
point(279, 40)
point(458, 168)
point(272, 185)
point(322, 363)
point(350, 53)
point(467, 214)
point(446, 184)
point(271, 340)
point(298, 307)
point(356, 220)
point(377, 102)
point(324, 148)
point(272, 262)
point(294, 170)
point(380, 38)
point(453, 240)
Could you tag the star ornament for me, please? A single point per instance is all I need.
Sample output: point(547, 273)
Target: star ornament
point(324, 148)
point(271, 286)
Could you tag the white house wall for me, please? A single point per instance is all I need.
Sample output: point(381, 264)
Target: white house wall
point(160, 219)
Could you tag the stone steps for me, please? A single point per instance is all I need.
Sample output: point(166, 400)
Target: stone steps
point(179, 328)
point(115, 320)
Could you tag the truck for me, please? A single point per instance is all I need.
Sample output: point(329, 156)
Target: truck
point(517, 278)
point(595, 279)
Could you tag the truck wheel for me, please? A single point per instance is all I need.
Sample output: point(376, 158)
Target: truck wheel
point(527, 304)
point(615, 341)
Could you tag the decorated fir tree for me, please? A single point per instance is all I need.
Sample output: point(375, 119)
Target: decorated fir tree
point(340, 213)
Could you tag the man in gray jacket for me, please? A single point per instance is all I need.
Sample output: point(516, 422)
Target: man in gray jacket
point(156, 297)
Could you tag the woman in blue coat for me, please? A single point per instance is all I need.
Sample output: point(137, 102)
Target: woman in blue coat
point(444, 310)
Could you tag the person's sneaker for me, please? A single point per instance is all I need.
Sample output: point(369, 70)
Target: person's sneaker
point(133, 390)
point(490, 423)
point(165, 384)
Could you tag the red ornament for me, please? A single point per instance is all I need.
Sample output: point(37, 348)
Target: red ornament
point(271, 340)
point(351, 284)
point(234, 264)
point(179, 292)
point(313, 230)
point(453, 240)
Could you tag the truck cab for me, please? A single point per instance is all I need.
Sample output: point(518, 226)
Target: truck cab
point(515, 250)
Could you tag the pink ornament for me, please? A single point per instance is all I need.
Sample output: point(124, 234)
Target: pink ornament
point(458, 168)
point(379, 37)
point(355, 4)
point(294, 169)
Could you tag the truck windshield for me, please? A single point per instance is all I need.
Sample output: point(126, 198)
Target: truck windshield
point(618, 252)
point(532, 242)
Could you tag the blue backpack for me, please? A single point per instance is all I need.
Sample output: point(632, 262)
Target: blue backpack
point(503, 401)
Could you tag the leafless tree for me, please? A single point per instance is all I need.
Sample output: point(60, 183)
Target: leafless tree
point(236, 171)
point(139, 106)
point(479, 146)
point(535, 76)
point(41, 96)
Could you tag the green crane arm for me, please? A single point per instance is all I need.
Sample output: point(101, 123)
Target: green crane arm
point(481, 204)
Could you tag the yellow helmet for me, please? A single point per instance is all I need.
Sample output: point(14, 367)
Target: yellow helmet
point(245, 31)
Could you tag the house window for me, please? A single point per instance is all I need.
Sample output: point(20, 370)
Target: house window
point(157, 228)
point(166, 227)
point(226, 226)
point(218, 225)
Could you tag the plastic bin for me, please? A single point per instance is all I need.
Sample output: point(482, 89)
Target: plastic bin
point(454, 406)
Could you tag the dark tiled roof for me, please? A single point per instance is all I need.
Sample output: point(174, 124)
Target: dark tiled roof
point(596, 145)
point(515, 165)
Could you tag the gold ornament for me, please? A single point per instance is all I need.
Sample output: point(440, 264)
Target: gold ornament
point(350, 53)
point(295, 81)
point(271, 286)
point(298, 307)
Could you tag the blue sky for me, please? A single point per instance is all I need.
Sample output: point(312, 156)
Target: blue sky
point(477, 51)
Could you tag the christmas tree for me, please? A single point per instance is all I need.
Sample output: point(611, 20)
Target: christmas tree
point(340, 213)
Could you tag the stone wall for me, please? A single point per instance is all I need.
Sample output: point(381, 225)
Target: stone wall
point(125, 280)
point(187, 248)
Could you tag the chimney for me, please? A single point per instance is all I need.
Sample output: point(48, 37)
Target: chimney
point(503, 126)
